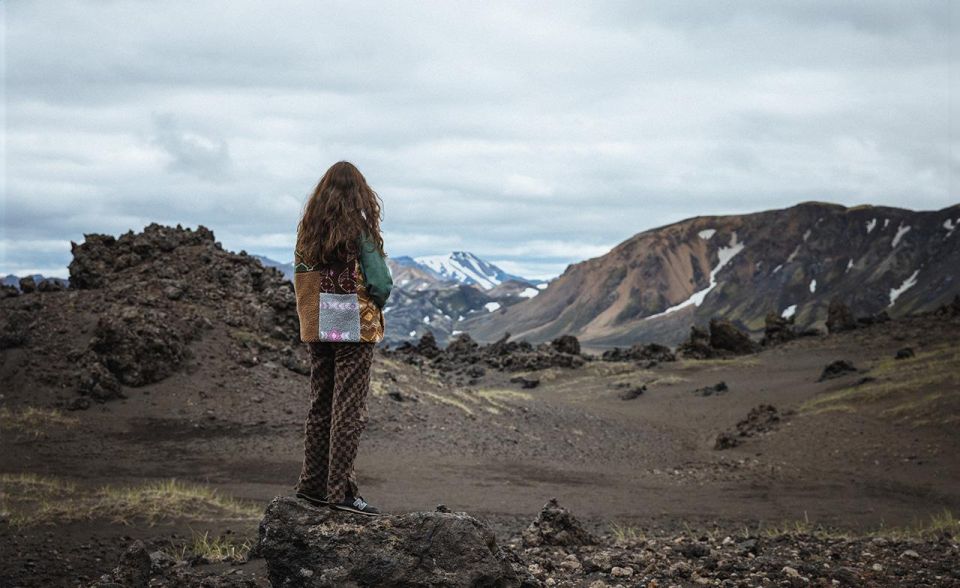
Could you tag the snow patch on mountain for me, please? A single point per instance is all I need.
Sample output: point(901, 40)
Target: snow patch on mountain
point(724, 254)
point(706, 234)
point(901, 231)
point(529, 293)
point(906, 285)
point(789, 311)
point(871, 224)
point(813, 285)
point(492, 306)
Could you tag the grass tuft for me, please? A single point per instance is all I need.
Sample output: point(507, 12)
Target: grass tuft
point(214, 549)
point(33, 421)
point(32, 500)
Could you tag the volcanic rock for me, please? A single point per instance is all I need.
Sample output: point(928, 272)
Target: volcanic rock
point(307, 547)
point(905, 353)
point(526, 383)
point(49, 285)
point(715, 390)
point(633, 392)
point(640, 352)
point(27, 285)
point(836, 369)
point(555, 525)
point(839, 317)
point(727, 337)
point(777, 329)
point(566, 344)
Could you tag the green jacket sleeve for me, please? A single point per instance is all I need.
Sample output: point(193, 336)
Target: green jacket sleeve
point(379, 282)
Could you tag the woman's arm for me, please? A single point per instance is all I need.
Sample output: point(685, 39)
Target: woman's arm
point(379, 282)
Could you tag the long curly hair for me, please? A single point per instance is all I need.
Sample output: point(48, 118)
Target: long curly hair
point(341, 209)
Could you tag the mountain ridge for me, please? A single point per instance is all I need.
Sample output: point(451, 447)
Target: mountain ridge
point(654, 285)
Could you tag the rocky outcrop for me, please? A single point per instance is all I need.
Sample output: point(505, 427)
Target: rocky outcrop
point(556, 526)
point(466, 361)
point(839, 317)
point(306, 547)
point(566, 344)
point(761, 419)
point(640, 352)
point(723, 339)
point(152, 294)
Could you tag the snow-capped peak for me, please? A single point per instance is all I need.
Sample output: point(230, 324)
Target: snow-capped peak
point(466, 268)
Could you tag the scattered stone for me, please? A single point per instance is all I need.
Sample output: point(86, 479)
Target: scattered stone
point(837, 369)
point(715, 390)
point(695, 550)
point(633, 392)
point(905, 353)
point(526, 383)
point(555, 525)
point(640, 352)
point(618, 572)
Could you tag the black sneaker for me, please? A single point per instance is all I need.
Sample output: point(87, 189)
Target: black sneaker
point(356, 505)
point(314, 500)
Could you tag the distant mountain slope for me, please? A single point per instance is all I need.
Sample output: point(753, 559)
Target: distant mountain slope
point(653, 286)
point(467, 268)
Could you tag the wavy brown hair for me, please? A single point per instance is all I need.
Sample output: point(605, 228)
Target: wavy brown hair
point(342, 209)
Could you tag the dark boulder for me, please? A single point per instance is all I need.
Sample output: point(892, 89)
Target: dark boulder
point(427, 346)
point(308, 547)
point(715, 390)
point(839, 317)
point(527, 383)
point(725, 336)
point(640, 352)
point(566, 344)
point(905, 353)
point(761, 419)
point(836, 369)
point(697, 346)
point(27, 285)
point(555, 525)
point(777, 330)
point(9, 291)
point(50, 285)
point(634, 392)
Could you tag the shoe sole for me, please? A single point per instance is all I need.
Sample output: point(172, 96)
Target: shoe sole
point(350, 509)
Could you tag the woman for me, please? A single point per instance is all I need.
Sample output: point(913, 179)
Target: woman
point(341, 282)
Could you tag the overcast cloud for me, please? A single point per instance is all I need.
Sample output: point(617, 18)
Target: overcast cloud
point(532, 134)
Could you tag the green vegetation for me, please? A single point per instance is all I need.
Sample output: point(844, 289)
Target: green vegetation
point(914, 389)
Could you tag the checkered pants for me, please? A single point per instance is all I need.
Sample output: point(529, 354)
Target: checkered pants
point(339, 379)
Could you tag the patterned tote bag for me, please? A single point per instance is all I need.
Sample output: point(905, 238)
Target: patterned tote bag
point(333, 303)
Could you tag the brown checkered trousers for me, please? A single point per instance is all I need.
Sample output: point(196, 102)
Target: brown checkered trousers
point(339, 380)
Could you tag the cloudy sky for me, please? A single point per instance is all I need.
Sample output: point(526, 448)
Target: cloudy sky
point(531, 133)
